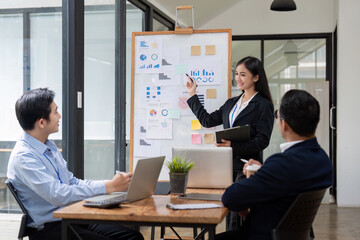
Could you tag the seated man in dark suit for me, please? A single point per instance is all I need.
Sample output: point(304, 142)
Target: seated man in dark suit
point(301, 166)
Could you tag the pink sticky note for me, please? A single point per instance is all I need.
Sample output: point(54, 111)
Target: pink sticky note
point(196, 138)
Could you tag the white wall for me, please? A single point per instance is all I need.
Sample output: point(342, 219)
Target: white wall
point(348, 110)
point(255, 17)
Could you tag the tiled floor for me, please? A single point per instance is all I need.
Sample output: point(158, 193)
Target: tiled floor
point(331, 223)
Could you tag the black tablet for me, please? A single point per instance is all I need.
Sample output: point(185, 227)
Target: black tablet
point(239, 133)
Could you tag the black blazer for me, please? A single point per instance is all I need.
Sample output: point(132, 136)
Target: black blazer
point(301, 168)
point(259, 114)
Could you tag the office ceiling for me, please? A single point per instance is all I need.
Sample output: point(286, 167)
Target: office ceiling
point(204, 10)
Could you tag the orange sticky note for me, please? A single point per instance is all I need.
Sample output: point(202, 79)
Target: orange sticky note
point(195, 125)
point(208, 138)
point(211, 93)
point(195, 50)
point(210, 50)
point(196, 138)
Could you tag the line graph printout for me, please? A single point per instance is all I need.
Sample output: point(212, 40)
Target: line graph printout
point(149, 54)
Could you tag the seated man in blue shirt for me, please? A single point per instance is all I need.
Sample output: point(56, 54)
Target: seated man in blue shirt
point(301, 166)
point(38, 172)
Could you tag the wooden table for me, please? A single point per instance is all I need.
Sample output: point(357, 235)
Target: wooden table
point(151, 211)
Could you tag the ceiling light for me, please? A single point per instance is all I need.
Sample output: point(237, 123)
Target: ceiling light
point(283, 5)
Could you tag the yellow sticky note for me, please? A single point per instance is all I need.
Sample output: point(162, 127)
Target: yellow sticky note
point(196, 138)
point(210, 93)
point(210, 50)
point(208, 138)
point(195, 125)
point(195, 50)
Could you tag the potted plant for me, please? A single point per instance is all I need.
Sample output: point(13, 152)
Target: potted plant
point(179, 168)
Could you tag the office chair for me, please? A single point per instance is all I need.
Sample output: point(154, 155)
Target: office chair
point(296, 224)
point(23, 232)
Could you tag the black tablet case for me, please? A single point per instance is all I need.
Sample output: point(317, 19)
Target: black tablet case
point(239, 133)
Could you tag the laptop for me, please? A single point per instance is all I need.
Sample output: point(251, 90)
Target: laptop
point(142, 185)
point(213, 166)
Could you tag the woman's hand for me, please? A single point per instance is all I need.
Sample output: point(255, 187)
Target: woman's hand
point(224, 143)
point(250, 162)
point(191, 87)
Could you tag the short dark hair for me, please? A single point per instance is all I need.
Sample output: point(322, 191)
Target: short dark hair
point(256, 67)
point(33, 105)
point(301, 111)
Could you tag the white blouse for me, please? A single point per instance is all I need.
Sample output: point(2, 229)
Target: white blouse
point(236, 110)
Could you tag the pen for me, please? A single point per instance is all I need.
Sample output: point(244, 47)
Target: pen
point(192, 80)
point(244, 160)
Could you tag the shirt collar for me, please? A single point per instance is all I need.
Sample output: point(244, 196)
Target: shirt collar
point(247, 102)
point(34, 143)
point(287, 145)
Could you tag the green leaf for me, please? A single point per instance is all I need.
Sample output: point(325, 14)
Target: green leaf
point(179, 164)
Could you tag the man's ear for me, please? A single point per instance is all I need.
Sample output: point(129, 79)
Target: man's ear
point(41, 123)
point(285, 125)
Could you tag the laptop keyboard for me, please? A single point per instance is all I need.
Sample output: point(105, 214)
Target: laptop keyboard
point(107, 203)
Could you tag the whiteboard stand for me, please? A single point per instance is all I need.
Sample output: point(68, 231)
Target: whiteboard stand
point(189, 29)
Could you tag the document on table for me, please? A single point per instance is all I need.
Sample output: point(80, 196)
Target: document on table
point(192, 206)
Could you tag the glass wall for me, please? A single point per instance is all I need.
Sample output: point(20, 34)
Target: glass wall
point(30, 57)
point(46, 57)
point(99, 92)
point(11, 75)
point(134, 23)
point(298, 64)
point(158, 26)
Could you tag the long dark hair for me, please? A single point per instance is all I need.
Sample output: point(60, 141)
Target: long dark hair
point(256, 67)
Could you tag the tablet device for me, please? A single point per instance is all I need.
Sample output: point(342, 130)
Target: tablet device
point(239, 133)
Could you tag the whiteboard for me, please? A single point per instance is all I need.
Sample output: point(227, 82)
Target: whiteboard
point(160, 117)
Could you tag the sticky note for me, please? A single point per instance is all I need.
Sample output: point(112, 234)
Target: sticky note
point(195, 125)
point(210, 93)
point(210, 50)
point(195, 50)
point(181, 68)
point(196, 138)
point(174, 113)
point(209, 138)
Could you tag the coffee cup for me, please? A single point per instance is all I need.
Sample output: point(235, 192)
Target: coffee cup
point(251, 170)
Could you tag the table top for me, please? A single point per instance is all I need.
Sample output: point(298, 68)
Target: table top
point(152, 209)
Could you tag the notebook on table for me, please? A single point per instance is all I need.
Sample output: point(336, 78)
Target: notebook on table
point(142, 185)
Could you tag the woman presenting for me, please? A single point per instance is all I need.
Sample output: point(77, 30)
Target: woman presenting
point(254, 107)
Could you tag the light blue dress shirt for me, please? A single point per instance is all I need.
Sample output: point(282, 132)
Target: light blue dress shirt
point(44, 184)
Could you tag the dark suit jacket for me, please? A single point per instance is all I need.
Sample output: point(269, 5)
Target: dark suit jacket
point(303, 167)
point(259, 114)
